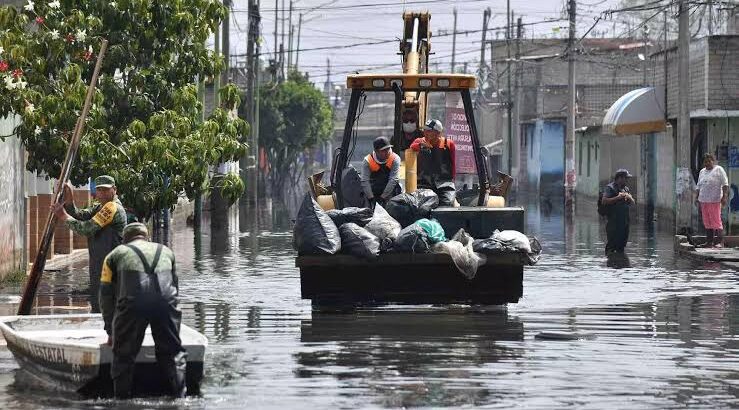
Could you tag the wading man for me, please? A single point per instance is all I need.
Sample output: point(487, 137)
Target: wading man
point(139, 288)
point(436, 162)
point(380, 173)
point(616, 200)
point(101, 223)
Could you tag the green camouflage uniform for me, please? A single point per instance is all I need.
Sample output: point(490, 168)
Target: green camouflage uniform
point(103, 227)
point(139, 288)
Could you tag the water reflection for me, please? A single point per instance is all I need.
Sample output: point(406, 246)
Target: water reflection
point(409, 358)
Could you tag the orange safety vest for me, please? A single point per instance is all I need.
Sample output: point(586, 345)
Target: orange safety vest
point(374, 166)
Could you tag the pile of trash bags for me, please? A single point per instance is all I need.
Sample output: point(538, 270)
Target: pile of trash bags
point(404, 227)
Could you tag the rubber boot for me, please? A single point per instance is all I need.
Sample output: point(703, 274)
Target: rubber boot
point(175, 371)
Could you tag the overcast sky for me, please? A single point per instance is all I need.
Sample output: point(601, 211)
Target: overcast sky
point(338, 23)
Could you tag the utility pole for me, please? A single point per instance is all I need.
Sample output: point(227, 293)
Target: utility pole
point(454, 40)
point(290, 37)
point(509, 102)
point(297, 49)
point(683, 174)
point(282, 43)
point(710, 17)
point(248, 165)
point(216, 78)
point(485, 17)
point(226, 43)
point(570, 172)
point(517, 105)
point(277, 19)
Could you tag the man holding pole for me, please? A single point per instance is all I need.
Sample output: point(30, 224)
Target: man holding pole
point(101, 223)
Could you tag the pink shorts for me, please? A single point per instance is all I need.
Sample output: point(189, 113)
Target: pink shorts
point(711, 212)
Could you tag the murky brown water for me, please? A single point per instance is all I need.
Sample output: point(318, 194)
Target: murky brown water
point(662, 333)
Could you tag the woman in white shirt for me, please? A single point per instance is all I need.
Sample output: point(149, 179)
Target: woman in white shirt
point(713, 194)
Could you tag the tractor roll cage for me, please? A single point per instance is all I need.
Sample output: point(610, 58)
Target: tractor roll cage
point(398, 84)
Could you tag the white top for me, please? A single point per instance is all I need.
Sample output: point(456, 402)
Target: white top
point(710, 183)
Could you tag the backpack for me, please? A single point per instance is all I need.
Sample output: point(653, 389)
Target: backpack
point(602, 209)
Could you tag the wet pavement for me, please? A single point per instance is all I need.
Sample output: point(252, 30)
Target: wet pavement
point(655, 331)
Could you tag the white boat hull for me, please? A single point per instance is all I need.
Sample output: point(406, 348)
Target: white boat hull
point(68, 353)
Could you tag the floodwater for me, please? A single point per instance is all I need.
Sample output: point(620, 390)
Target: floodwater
point(654, 331)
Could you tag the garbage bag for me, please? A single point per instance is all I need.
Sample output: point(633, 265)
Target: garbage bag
point(359, 216)
point(510, 241)
point(447, 193)
point(358, 241)
point(427, 201)
point(433, 229)
point(383, 226)
point(408, 208)
point(412, 239)
point(465, 259)
point(351, 188)
point(314, 232)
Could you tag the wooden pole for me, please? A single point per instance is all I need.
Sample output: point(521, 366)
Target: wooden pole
point(29, 293)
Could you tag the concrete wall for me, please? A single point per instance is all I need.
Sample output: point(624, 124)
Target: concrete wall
point(12, 202)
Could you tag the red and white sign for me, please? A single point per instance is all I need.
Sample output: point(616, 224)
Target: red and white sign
point(457, 129)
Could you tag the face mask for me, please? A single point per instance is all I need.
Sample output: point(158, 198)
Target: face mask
point(409, 127)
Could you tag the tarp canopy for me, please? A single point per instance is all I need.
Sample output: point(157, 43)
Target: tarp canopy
point(640, 111)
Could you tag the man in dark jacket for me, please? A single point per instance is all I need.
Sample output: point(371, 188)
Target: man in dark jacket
point(102, 224)
point(616, 200)
point(138, 288)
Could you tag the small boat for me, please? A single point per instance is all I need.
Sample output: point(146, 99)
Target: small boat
point(68, 353)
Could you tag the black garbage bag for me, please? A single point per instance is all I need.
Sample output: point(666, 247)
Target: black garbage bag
point(427, 201)
point(408, 208)
point(359, 242)
point(314, 232)
point(412, 239)
point(359, 216)
point(383, 225)
point(447, 193)
point(510, 242)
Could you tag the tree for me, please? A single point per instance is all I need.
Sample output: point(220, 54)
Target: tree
point(144, 127)
point(294, 117)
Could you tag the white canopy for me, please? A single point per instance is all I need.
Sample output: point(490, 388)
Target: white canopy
point(640, 111)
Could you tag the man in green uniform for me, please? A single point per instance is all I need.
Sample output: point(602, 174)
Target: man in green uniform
point(101, 223)
point(138, 288)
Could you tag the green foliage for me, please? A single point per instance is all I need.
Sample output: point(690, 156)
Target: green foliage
point(294, 117)
point(145, 125)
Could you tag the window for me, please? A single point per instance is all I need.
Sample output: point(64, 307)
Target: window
point(589, 158)
point(579, 160)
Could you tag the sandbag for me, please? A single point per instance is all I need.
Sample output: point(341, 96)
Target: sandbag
point(359, 216)
point(412, 239)
point(447, 193)
point(433, 230)
point(314, 232)
point(358, 242)
point(408, 208)
point(383, 226)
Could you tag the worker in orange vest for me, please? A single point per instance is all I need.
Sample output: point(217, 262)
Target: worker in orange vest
point(381, 173)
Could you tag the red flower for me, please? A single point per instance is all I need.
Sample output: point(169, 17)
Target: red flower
point(70, 38)
point(40, 20)
point(3, 66)
point(17, 73)
point(88, 55)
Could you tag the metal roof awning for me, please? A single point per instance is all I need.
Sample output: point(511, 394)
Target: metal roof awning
point(640, 111)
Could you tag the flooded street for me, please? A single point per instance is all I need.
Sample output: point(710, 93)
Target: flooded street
point(658, 333)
